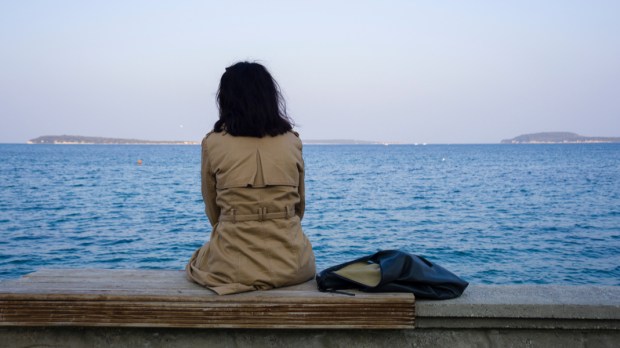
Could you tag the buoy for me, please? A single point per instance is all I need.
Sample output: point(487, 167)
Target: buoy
point(139, 162)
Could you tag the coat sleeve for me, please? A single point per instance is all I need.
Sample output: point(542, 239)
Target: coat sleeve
point(208, 187)
point(301, 188)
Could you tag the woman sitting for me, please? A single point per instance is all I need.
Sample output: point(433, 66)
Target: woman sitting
point(253, 190)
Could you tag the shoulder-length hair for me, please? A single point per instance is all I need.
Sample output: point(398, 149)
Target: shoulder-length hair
point(250, 103)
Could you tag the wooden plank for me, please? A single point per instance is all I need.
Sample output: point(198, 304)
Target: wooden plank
point(174, 317)
point(164, 277)
point(155, 298)
point(257, 296)
point(262, 297)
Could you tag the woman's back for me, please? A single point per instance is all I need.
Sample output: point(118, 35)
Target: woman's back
point(253, 189)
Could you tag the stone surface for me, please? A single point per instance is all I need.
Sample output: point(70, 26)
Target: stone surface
point(525, 306)
point(182, 338)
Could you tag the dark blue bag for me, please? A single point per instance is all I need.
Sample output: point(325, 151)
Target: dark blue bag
point(393, 271)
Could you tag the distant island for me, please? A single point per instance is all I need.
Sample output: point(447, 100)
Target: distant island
point(558, 138)
point(78, 139)
point(343, 142)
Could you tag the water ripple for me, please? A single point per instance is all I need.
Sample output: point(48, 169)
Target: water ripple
point(492, 214)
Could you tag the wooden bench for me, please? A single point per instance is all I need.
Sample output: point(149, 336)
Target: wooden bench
point(156, 298)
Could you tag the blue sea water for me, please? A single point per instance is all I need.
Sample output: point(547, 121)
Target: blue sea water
point(497, 214)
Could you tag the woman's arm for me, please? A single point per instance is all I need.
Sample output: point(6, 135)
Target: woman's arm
point(208, 187)
point(301, 188)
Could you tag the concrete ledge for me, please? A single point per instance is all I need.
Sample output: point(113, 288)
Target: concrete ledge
point(485, 316)
point(525, 306)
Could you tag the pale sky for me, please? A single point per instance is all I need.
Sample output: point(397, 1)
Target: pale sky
point(405, 71)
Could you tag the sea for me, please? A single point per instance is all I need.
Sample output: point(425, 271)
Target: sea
point(492, 214)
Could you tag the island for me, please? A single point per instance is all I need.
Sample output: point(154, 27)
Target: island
point(558, 138)
point(84, 140)
point(78, 139)
point(343, 142)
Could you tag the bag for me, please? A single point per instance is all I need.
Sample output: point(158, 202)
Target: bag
point(393, 271)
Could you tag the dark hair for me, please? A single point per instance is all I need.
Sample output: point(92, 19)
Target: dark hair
point(250, 103)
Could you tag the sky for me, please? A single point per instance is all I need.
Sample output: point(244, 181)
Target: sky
point(394, 71)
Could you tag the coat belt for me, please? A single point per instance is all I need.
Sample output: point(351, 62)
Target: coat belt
point(261, 215)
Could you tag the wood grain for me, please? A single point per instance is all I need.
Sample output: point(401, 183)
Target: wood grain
point(157, 298)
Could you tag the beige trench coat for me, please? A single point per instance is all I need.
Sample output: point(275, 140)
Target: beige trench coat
point(253, 190)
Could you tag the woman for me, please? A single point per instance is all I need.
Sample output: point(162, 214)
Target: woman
point(253, 190)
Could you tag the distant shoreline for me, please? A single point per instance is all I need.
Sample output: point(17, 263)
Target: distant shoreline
point(534, 138)
point(559, 138)
point(145, 143)
point(84, 140)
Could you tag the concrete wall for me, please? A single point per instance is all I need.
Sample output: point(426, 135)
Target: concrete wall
point(485, 316)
